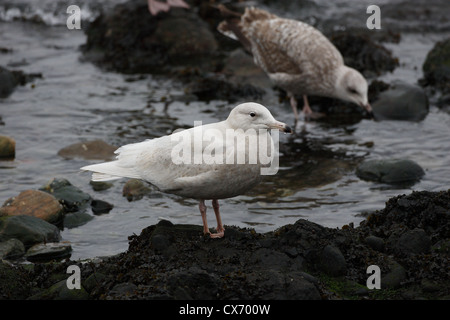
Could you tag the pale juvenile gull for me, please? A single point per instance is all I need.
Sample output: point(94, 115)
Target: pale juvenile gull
point(171, 163)
point(296, 56)
point(155, 6)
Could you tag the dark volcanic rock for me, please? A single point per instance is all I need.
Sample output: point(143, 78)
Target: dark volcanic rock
point(130, 40)
point(168, 261)
point(436, 67)
point(363, 54)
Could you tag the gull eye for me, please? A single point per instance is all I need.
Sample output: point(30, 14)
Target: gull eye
point(351, 90)
point(252, 114)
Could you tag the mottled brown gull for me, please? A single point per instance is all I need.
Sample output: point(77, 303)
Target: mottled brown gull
point(296, 56)
point(194, 174)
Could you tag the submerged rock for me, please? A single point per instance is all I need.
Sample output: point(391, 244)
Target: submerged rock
point(90, 150)
point(7, 147)
point(401, 101)
point(135, 189)
point(76, 219)
point(34, 203)
point(71, 197)
point(392, 171)
point(436, 68)
point(10, 79)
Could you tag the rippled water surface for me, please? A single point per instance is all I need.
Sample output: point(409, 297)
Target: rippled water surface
point(76, 101)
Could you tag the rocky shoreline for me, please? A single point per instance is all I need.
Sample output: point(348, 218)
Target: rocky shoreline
point(409, 240)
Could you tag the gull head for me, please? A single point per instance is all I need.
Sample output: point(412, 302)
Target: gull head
point(352, 86)
point(251, 115)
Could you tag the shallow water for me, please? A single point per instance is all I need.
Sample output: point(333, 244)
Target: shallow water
point(76, 101)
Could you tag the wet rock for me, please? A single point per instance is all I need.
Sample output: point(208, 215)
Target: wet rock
point(135, 189)
point(402, 101)
point(392, 171)
point(9, 79)
point(60, 291)
point(101, 207)
point(11, 249)
point(209, 87)
point(176, 261)
point(436, 67)
point(332, 261)
point(90, 150)
point(48, 251)
point(394, 277)
point(7, 147)
point(100, 185)
point(375, 243)
point(76, 219)
point(413, 242)
point(72, 198)
point(240, 68)
point(34, 203)
point(123, 289)
point(28, 229)
point(128, 39)
point(7, 82)
point(193, 284)
point(362, 53)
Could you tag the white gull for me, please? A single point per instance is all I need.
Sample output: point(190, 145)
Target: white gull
point(158, 161)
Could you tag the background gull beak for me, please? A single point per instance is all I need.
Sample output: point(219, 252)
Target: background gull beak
point(369, 110)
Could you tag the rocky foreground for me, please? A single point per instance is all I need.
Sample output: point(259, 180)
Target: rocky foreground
point(408, 240)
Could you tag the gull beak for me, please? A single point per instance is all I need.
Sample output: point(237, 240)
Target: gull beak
point(283, 127)
point(369, 110)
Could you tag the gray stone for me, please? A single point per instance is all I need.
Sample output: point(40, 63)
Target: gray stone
point(7, 82)
point(402, 101)
point(71, 197)
point(90, 150)
point(11, 249)
point(390, 171)
point(413, 242)
point(375, 243)
point(76, 219)
point(48, 251)
point(332, 261)
point(29, 230)
point(394, 277)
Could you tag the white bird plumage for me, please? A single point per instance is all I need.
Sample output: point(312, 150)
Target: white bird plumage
point(153, 160)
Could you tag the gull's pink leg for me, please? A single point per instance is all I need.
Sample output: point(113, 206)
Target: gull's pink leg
point(178, 3)
point(220, 229)
point(306, 108)
point(294, 106)
point(202, 208)
point(156, 6)
point(309, 114)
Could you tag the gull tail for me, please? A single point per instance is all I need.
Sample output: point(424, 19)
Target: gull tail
point(231, 26)
point(107, 171)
